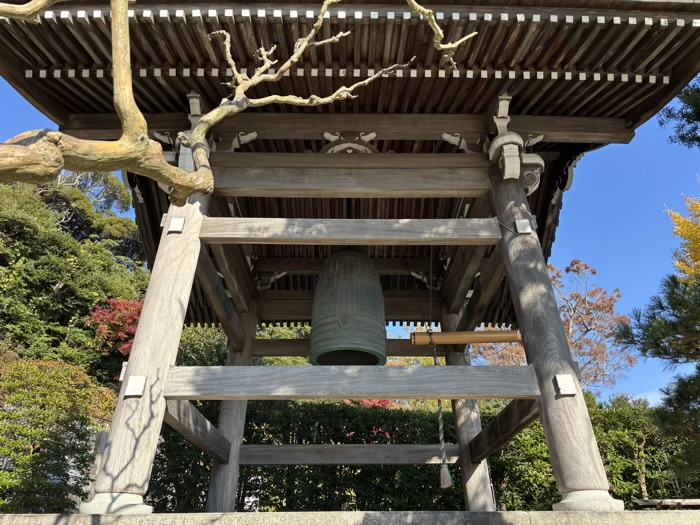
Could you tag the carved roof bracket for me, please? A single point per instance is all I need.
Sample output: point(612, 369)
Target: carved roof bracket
point(361, 144)
point(507, 150)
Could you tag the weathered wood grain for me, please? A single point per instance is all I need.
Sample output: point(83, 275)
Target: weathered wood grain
point(133, 437)
point(377, 161)
point(368, 232)
point(513, 419)
point(572, 446)
point(184, 417)
point(223, 483)
point(475, 477)
point(350, 382)
point(309, 126)
point(351, 182)
point(345, 454)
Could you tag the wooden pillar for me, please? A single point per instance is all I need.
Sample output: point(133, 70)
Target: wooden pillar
point(131, 445)
point(223, 484)
point(476, 482)
point(573, 450)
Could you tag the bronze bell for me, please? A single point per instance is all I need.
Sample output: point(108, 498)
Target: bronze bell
point(347, 320)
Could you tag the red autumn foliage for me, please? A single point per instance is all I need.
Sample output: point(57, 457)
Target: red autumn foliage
point(116, 324)
point(590, 321)
point(372, 403)
point(376, 403)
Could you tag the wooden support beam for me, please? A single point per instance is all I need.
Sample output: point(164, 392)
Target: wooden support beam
point(302, 266)
point(300, 348)
point(476, 481)
point(296, 306)
point(487, 283)
point(350, 382)
point(233, 266)
point(133, 437)
point(409, 161)
point(349, 182)
point(513, 419)
point(576, 462)
point(236, 275)
point(368, 232)
point(345, 454)
point(464, 265)
point(184, 417)
point(309, 126)
point(223, 483)
point(213, 288)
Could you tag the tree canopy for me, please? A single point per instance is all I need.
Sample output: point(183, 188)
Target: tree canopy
point(590, 322)
point(49, 412)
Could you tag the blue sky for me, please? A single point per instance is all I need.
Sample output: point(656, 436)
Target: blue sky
point(614, 218)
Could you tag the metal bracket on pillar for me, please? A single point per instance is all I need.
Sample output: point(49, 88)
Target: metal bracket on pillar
point(135, 386)
point(523, 227)
point(507, 151)
point(177, 225)
point(565, 385)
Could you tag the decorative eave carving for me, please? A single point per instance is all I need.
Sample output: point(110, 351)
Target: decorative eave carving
point(361, 144)
point(569, 170)
point(507, 150)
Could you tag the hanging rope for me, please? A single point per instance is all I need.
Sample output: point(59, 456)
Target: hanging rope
point(445, 477)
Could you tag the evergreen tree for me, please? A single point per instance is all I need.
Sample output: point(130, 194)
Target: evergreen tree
point(685, 116)
point(59, 261)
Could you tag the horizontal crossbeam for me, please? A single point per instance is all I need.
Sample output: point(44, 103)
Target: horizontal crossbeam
point(303, 266)
point(300, 126)
point(349, 182)
point(345, 454)
point(350, 382)
point(301, 348)
point(409, 161)
point(286, 306)
point(367, 232)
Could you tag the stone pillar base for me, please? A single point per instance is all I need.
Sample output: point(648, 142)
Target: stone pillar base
point(116, 503)
point(589, 500)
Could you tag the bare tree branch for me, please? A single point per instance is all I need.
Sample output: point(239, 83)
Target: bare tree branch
point(39, 156)
point(342, 93)
point(438, 35)
point(238, 78)
point(238, 101)
point(331, 40)
point(28, 12)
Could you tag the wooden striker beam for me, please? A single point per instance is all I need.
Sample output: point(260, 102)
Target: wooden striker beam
point(465, 338)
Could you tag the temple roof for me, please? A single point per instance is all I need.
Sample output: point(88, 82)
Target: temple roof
point(582, 74)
